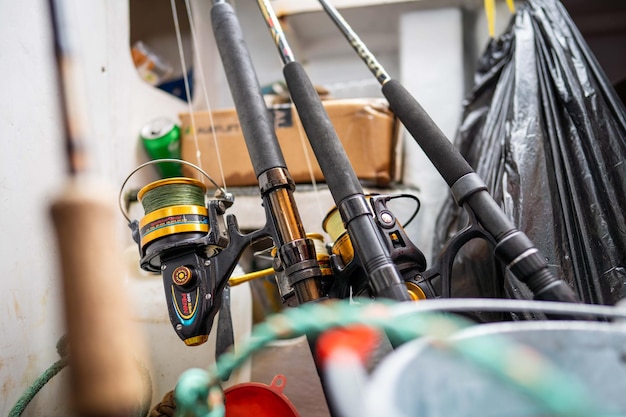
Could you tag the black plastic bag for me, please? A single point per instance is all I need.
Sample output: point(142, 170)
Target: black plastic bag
point(546, 131)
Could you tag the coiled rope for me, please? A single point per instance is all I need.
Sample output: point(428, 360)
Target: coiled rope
point(199, 393)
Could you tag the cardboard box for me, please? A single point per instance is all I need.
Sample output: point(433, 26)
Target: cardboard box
point(366, 127)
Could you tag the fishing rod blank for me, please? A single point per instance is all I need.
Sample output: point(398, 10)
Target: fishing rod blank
point(513, 247)
point(104, 378)
point(296, 252)
point(383, 275)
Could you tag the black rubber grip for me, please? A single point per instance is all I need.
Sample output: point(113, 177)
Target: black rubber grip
point(451, 165)
point(257, 124)
point(441, 152)
point(557, 291)
point(397, 292)
point(343, 183)
point(329, 151)
point(526, 262)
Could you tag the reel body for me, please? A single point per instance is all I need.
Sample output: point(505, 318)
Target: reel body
point(178, 237)
point(350, 277)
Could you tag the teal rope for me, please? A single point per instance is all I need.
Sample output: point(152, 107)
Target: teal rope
point(56, 367)
point(39, 383)
point(199, 394)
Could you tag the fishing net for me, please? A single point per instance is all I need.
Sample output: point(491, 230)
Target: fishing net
point(546, 131)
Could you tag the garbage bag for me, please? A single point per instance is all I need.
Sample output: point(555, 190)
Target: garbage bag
point(545, 130)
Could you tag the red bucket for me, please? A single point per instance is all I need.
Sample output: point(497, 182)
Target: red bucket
point(259, 400)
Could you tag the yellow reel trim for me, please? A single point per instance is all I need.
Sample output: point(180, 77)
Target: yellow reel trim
point(172, 211)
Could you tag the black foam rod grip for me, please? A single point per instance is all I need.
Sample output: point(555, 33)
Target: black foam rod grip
point(257, 124)
point(452, 166)
point(329, 151)
point(441, 152)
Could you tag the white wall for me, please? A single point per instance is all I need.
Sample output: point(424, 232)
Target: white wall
point(31, 170)
point(434, 75)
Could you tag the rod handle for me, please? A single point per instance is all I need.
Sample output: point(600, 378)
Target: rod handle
point(441, 152)
point(257, 124)
point(328, 149)
point(452, 166)
point(103, 343)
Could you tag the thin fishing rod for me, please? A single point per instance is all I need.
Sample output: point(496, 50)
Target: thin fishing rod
point(284, 50)
point(70, 96)
point(296, 252)
point(370, 60)
point(104, 378)
point(513, 247)
point(442, 153)
point(382, 273)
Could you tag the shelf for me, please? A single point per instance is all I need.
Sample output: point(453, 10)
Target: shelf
point(283, 7)
point(286, 7)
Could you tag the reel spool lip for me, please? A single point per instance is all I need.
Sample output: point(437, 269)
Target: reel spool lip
point(220, 192)
point(333, 224)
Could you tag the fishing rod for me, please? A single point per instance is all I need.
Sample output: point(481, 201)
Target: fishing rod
point(192, 241)
point(103, 344)
point(296, 256)
point(296, 253)
point(376, 236)
point(512, 247)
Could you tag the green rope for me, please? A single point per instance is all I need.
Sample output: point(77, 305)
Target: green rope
point(53, 370)
point(39, 383)
point(199, 393)
point(172, 195)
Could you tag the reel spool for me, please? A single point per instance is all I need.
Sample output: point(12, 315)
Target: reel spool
point(342, 245)
point(175, 212)
point(176, 215)
point(349, 276)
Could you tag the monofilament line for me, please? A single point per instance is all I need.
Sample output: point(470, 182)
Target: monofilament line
point(186, 81)
point(194, 41)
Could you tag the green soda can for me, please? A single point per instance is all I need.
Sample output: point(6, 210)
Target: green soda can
point(161, 140)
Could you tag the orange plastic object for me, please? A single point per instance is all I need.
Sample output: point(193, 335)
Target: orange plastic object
point(259, 400)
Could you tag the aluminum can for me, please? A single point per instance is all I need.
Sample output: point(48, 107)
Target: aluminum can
point(161, 140)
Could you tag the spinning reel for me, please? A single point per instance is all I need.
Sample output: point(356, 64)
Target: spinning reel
point(179, 236)
point(347, 269)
